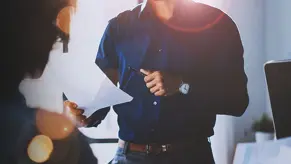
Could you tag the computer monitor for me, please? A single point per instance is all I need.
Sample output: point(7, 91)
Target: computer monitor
point(278, 77)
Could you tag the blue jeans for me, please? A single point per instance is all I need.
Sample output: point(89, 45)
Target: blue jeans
point(193, 154)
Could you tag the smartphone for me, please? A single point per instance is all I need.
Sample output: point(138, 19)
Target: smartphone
point(136, 71)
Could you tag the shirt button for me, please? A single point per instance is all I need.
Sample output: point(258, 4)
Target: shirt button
point(152, 130)
point(160, 50)
point(155, 103)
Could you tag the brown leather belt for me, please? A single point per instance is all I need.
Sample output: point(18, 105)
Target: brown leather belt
point(153, 148)
point(149, 149)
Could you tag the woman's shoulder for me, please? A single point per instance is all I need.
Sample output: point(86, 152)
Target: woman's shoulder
point(24, 125)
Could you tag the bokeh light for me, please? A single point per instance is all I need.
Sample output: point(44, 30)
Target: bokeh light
point(63, 20)
point(54, 125)
point(40, 149)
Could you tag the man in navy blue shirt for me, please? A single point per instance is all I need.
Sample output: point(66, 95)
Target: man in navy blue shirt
point(182, 62)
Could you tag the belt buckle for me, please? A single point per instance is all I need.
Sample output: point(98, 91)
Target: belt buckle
point(164, 148)
point(157, 149)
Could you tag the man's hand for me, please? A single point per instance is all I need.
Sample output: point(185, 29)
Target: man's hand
point(74, 113)
point(161, 83)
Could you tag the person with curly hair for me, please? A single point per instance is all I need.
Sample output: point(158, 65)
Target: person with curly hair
point(33, 135)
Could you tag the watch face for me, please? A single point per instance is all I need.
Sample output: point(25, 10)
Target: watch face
point(185, 88)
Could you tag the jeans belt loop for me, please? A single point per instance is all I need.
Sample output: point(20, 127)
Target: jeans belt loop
point(126, 145)
point(148, 149)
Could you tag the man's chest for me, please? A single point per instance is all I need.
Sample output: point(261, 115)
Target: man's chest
point(167, 50)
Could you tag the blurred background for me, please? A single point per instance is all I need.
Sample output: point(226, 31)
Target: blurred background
point(265, 29)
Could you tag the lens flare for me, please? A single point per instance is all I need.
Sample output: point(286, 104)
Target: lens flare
point(40, 149)
point(54, 125)
point(211, 21)
point(196, 29)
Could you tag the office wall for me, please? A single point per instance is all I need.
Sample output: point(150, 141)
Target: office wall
point(278, 29)
point(277, 32)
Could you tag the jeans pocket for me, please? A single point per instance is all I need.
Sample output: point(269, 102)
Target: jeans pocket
point(119, 157)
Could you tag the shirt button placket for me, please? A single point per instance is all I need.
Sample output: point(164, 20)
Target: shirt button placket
point(155, 103)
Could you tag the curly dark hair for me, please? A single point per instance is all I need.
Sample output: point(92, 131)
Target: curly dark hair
point(30, 33)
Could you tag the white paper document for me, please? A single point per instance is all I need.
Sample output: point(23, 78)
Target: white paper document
point(269, 152)
point(86, 85)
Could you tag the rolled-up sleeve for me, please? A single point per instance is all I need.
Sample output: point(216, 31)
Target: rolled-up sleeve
point(222, 89)
point(106, 56)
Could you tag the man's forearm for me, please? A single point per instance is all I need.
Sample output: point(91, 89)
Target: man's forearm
point(226, 95)
point(96, 118)
point(222, 100)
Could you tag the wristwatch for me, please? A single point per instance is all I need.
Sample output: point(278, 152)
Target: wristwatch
point(184, 88)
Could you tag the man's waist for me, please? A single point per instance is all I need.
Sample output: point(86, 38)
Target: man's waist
point(156, 148)
point(165, 137)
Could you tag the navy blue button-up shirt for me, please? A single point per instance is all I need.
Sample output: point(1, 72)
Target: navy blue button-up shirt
point(209, 59)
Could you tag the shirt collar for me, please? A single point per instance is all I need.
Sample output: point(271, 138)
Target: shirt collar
point(145, 10)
